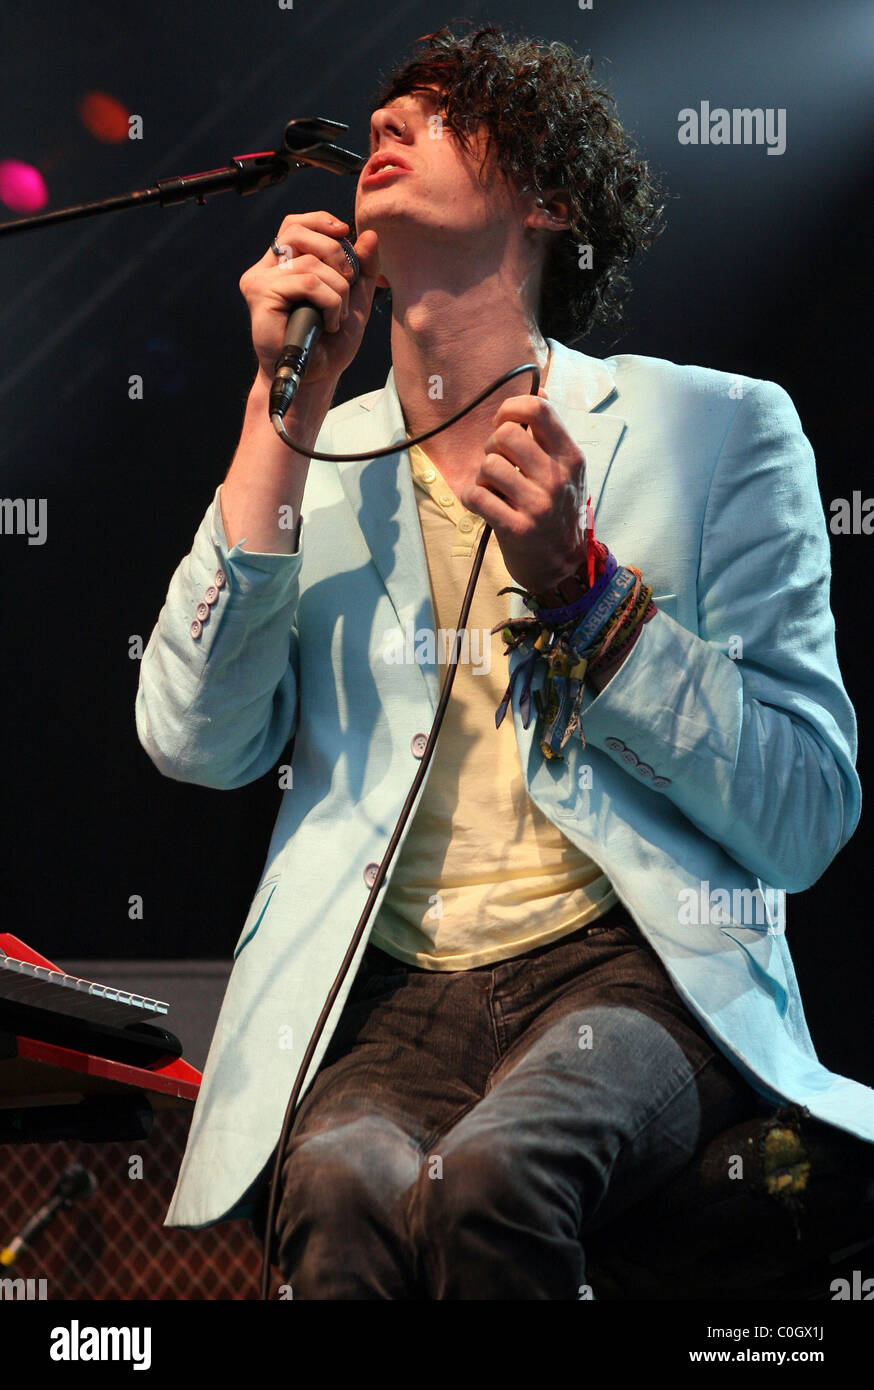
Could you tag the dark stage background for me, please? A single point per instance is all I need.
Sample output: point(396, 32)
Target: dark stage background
point(761, 271)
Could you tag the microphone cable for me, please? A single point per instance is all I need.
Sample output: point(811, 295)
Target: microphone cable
point(411, 795)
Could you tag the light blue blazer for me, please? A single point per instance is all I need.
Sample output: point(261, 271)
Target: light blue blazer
point(719, 766)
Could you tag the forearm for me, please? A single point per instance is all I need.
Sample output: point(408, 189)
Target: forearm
point(774, 786)
point(262, 494)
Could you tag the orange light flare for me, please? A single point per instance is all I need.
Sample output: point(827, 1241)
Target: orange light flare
point(104, 117)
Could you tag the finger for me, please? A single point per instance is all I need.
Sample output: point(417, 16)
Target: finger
point(497, 514)
point(521, 449)
point(285, 284)
point(498, 474)
point(305, 240)
point(279, 277)
point(366, 249)
point(539, 416)
point(361, 293)
point(323, 287)
point(323, 222)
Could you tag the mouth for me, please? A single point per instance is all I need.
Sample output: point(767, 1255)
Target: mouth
point(381, 169)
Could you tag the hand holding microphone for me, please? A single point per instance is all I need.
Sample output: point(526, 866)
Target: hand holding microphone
point(309, 286)
point(305, 325)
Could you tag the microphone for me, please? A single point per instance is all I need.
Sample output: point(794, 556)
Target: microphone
point(306, 140)
point(305, 325)
point(74, 1183)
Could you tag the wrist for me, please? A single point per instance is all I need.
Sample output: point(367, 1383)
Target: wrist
point(566, 590)
point(602, 672)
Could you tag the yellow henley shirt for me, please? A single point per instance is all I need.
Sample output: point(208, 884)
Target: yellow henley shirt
point(482, 875)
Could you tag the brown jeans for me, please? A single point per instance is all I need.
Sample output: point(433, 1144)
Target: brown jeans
point(466, 1129)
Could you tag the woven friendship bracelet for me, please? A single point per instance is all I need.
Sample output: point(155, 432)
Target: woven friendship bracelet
point(597, 629)
point(617, 590)
point(618, 636)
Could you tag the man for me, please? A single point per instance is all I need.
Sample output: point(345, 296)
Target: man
point(576, 972)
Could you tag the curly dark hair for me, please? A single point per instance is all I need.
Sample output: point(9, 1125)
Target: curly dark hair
point(551, 127)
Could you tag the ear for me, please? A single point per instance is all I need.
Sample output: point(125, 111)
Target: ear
point(554, 215)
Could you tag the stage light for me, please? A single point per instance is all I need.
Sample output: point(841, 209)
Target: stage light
point(104, 117)
point(22, 186)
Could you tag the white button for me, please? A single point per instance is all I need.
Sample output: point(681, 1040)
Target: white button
point(418, 744)
point(370, 874)
point(466, 523)
point(429, 475)
point(446, 499)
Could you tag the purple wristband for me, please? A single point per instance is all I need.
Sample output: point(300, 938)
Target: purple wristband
point(580, 607)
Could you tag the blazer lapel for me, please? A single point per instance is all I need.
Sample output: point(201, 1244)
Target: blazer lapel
point(381, 494)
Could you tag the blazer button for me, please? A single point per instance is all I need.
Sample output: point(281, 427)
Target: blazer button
point(644, 770)
point(418, 744)
point(196, 627)
point(219, 580)
point(211, 594)
point(202, 611)
point(661, 782)
point(630, 757)
point(615, 744)
point(370, 874)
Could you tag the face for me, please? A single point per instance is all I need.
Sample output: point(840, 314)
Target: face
point(435, 191)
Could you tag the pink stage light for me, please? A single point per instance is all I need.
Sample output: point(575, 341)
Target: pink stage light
point(22, 187)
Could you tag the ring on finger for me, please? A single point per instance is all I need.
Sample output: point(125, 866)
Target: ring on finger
point(285, 253)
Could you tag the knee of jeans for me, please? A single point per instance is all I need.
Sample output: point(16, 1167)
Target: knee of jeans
point(347, 1169)
point(463, 1188)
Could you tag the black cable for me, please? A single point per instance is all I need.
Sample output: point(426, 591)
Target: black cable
point(407, 806)
point(278, 425)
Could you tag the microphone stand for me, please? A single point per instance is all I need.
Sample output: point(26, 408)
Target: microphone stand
point(306, 142)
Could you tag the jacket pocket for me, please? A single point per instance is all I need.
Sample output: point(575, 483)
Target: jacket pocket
point(255, 915)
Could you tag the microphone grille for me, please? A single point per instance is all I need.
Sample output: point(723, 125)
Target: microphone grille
point(351, 257)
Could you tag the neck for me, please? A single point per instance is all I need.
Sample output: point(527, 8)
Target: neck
point(448, 343)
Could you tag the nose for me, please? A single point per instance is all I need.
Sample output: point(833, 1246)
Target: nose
point(389, 125)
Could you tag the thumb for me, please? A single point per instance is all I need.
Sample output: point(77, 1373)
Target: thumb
point(366, 249)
